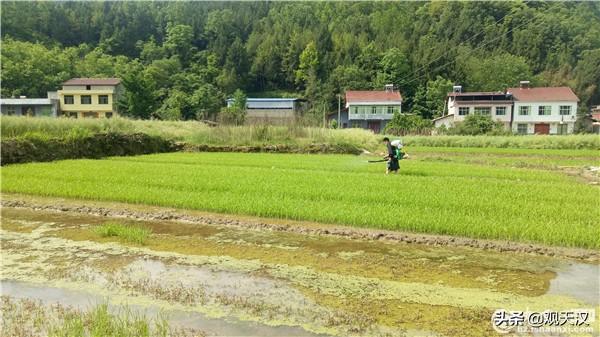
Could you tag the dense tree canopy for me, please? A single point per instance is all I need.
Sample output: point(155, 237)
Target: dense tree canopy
point(182, 59)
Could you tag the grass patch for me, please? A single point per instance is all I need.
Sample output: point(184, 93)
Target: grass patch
point(24, 317)
point(130, 233)
point(513, 141)
point(194, 132)
point(441, 197)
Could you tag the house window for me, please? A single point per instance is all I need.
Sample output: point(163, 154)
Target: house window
point(88, 87)
point(109, 115)
point(479, 110)
point(463, 111)
point(523, 111)
point(522, 129)
point(73, 114)
point(10, 110)
point(353, 110)
point(86, 99)
point(565, 110)
point(373, 110)
point(500, 111)
point(103, 99)
point(69, 99)
point(390, 110)
point(544, 110)
point(562, 129)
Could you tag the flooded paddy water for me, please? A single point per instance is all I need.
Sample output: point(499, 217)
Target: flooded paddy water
point(228, 281)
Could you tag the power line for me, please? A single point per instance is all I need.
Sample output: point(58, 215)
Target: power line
point(472, 50)
point(469, 39)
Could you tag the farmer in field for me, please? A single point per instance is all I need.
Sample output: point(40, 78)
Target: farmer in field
point(392, 157)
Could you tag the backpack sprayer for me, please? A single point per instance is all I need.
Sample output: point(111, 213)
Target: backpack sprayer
point(397, 144)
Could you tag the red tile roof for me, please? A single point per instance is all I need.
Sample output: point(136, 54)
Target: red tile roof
point(93, 81)
point(372, 96)
point(549, 94)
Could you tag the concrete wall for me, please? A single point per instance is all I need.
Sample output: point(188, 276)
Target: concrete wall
point(454, 108)
point(554, 119)
point(89, 110)
point(29, 110)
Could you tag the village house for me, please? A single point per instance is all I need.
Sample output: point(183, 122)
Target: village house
point(90, 97)
point(369, 109)
point(32, 107)
point(550, 110)
point(497, 105)
point(524, 110)
point(277, 111)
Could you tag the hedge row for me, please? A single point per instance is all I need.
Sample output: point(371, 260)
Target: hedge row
point(34, 148)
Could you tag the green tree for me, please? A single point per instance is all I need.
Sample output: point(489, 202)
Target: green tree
point(174, 106)
point(437, 90)
point(497, 72)
point(421, 106)
point(179, 42)
point(395, 69)
point(239, 100)
point(587, 75)
point(206, 101)
point(309, 61)
point(138, 100)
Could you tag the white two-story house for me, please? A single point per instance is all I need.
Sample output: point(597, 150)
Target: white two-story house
point(371, 109)
point(497, 105)
point(524, 110)
point(550, 110)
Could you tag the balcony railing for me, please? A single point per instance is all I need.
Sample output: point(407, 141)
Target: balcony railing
point(368, 116)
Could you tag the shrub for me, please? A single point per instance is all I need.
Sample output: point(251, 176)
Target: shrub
point(477, 125)
point(402, 124)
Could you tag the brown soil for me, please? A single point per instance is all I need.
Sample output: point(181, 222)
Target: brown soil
point(137, 212)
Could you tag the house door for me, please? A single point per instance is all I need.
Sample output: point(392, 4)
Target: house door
point(541, 129)
point(374, 126)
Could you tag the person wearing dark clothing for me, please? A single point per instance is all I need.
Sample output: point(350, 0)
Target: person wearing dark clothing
point(392, 157)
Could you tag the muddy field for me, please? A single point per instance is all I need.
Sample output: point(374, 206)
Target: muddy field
point(222, 278)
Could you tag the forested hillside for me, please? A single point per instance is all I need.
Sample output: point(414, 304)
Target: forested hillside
point(181, 59)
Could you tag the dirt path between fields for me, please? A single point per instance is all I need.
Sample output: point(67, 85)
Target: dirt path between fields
point(138, 212)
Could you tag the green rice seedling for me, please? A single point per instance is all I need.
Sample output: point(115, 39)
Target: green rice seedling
point(128, 233)
point(490, 199)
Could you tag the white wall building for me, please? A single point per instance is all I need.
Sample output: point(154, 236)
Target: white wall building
point(524, 110)
point(497, 105)
point(551, 110)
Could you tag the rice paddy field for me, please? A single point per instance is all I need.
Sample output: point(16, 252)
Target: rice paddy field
point(526, 195)
point(232, 244)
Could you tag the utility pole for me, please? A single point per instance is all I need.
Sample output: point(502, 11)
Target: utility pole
point(339, 121)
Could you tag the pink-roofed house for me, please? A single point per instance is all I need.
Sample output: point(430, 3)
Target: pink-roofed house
point(549, 110)
point(524, 110)
point(371, 109)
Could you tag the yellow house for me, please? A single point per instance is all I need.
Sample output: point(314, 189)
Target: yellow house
point(90, 97)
